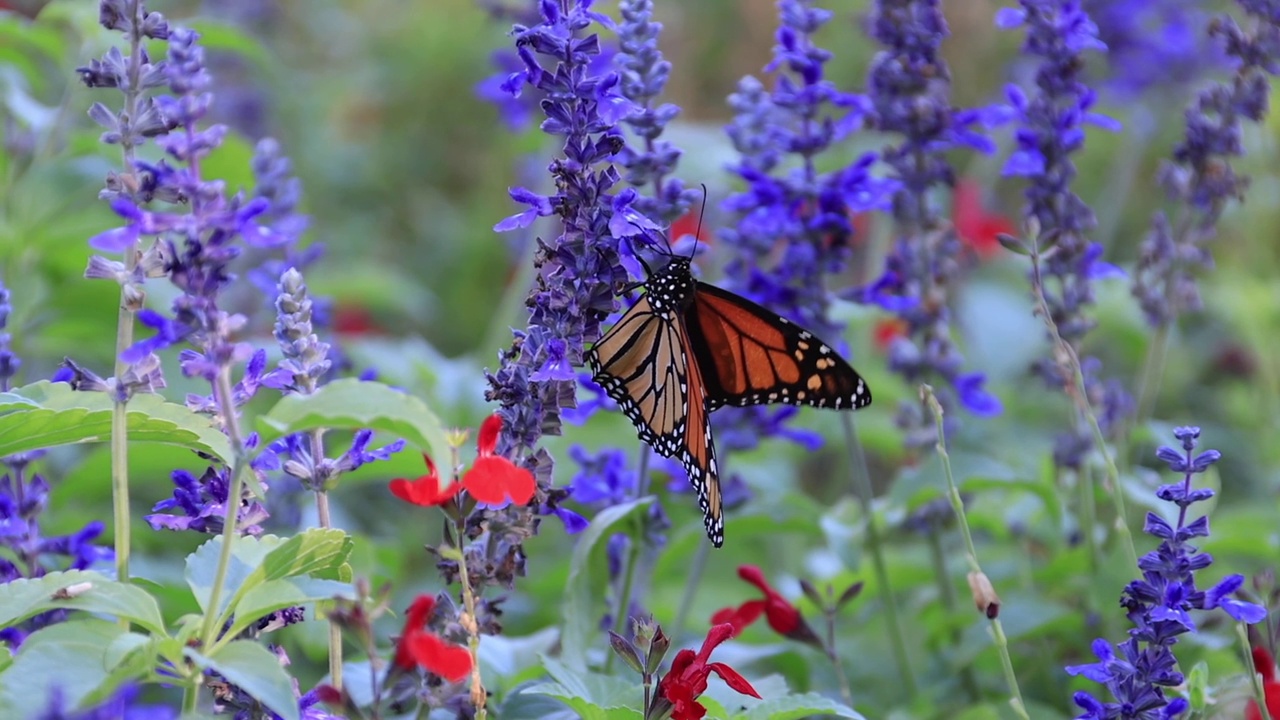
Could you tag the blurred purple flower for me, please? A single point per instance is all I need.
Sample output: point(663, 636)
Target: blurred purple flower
point(1159, 603)
point(10, 363)
point(203, 504)
point(121, 705)
point(1152, 44)
point(1200, 176)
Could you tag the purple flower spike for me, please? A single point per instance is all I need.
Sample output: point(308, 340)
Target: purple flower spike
point(1160, 604)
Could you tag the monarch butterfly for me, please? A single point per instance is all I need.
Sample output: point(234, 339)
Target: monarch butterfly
point(687, 348)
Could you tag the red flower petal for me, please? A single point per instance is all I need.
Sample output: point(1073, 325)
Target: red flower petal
point(686, 224)
point(419, 612)
point(1264, 663)
point(783, 617)
point(425, 490)
point(733, 679)
point(493, 479)
point(490, 429)
point(739, 617)
point(977, 227)
point(449, 661)
point(886, 331)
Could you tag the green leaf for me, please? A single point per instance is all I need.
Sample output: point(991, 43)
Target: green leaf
point(46, 414)
point(257, 671)
point(69, 656)
point(354, 404)
point(92, 592)
point(221, 36)
point(579, 611)
point(315, 550)
point(794, 707)
point(274, 595)
point(590, 695)
point(256, 561)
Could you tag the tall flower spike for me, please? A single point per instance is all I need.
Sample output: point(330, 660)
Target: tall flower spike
point(644, 75)
point(910, 95)
point(9, 361)
point(791, 225)
point(1159, 603)
point(1200, 177)
point(1050, 129)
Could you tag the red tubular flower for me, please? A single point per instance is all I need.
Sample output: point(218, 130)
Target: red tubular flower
point(687, 678)
point(1265, 664)
point(782, 616)
point(977, 227)
point(425, 490)
point(886, 331)
point(418, 647)
point(494, 479)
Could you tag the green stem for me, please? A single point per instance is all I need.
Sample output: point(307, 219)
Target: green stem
point(1152, 374)
point(624, 598)
point(971, 552)
point(226, 403)
point(478, 694)
point(322, 511)
point(1067, 355)
point(124, 325)
point(862, 488)
point(691, 582)
point(948, 594)
point(846, 690)
point(1255, 678)
point(1088, 515)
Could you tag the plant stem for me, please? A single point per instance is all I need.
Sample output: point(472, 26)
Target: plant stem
point(1255, 678)
point(226, 404)
point(624, 598)
point(862, 489)
point(478, 694)
point(124, 324)
point(949, 601)
point(691, 583)
point(322, 511)
point(971, 551)
point(846, 691)
point(1067, 355)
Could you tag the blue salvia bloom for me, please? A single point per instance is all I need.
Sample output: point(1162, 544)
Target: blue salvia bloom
point(1152, 45)
point(1159, 604)
point(910, 96)
point(9, 361)
point(779, 136)
point(1050, 129)
point(1200, 177)
point(516, 106)
point(643, 78)
point(580, 269)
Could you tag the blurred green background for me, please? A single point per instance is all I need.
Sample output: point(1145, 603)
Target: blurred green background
point(405, 172)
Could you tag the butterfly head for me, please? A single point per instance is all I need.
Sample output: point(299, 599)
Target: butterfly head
point(672, 287)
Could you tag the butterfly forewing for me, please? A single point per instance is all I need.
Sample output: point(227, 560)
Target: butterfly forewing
point(752, 356)
point(642, 364)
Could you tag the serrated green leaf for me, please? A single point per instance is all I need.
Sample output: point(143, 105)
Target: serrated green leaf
point(202, 567)
point(579, 698)
point(314, 550)
point(276, 595)
point(69, 655)
point(351, 404)
point(579, 611)
point(256, 670)
point(795, 707)
point(94, 592)
point(46, 414)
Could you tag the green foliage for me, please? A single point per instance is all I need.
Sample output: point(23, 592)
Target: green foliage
point(256, 670)
point(78, 590)
point(69, 656)
point(353, 404)
point(46, 414)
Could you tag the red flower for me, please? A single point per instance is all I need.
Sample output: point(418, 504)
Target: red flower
point(782, 616)
point(686, 224)
point(886, 331)
point(418, 647)
point(687, 678)
point(425, 490)
point(494, 478)
point(977, 227)
point(1265, 664)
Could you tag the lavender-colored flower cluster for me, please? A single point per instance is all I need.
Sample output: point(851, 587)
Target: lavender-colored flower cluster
point(1159, 604)
point(910, 95)
point(1200, 178)
point(1153, 46)
point(1050, 129)
point(788, 205)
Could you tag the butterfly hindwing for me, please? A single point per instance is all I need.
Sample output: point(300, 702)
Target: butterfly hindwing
point(752, 356)
point(699, 453)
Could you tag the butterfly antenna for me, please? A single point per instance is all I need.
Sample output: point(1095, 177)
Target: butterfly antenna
point(701, 212)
